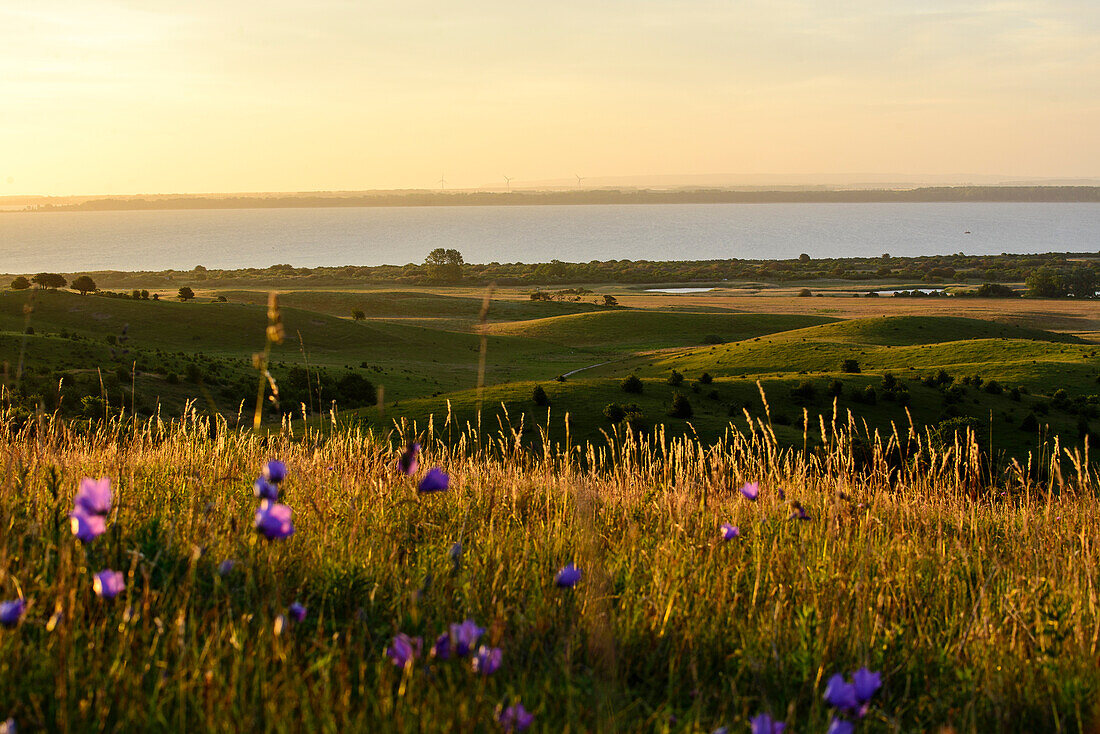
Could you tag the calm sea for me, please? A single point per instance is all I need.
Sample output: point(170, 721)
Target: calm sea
point(236, 238)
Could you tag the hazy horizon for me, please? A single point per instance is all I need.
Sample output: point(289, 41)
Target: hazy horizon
point(120, 98)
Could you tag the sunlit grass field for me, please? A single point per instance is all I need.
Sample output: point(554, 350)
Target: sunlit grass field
point(971, 590)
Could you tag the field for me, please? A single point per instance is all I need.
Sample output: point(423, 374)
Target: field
point(930, 446)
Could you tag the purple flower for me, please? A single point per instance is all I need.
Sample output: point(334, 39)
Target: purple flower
point(441, 650)
point(436, 480)
point(404, 649)
point(226, 567)
point(11, 612)
point(764, 724)
point(8, 727)
point(93, 497)
point(721, 730)
point(568, 576)
point(87, 527)
point(410, 460)
point(465, 637)
point(297, 612)
point(866, 684)
point(840, 726)
point(265, 490)
point(273, 521)
point(487, 660)
point(841, 694)
point(108, 584)
point(729, 532)
point(799, 512)
point(515, 718)
point(751, 490)
point(274, 471)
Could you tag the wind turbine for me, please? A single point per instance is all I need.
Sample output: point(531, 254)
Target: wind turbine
point(579, 179)
point(442, 182)
point(508, 181)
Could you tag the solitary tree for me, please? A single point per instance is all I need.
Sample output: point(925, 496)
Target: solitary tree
point(84, 284)
point(20, 284)
point(49, 280)
point(610, 301)
point(357, 314)
point(444, 265)
point(185, 293)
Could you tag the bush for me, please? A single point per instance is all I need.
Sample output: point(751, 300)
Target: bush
point(20, 284)
point(614, 412)
point(805, 293)
point(705, 378)
point(903, 398)
point(185, 293)
point(631, 385)
point(675, 379)
point(993, 387)
point(1030, 423)
point(713, 339)
point(889, 382)
point(355, 389)
point(869, 395)
point(1014, 394)
point(836, 389)
point(680, 407)
point(943, 377)
point(954, 394)
point(539, 396)
point(172, 378)
point(850, 366)
point(193, 373)
point(804, 390)
point(357, 314)
point(947, 431)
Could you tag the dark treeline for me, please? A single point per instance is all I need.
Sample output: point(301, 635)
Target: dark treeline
point(928, 194)
point(958, 268)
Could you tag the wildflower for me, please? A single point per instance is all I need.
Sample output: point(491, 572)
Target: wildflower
point(265, 490)
point(841, 694)
point(226, 567)
point(8, 727)
point(729, 532)
point(11, 612)
point(799, 512)
point(568, 576)
point(410, 460)
point(94, 496)
point(751, 490)
point(840, 726)
point(465, 636)
point(108, 584)
point(297, 612)
point(515, 718)
point(866, 684)
point(441, 650)
point(721, 730)
point(273, 521)
point(274, 471)
point(455, 553)
point(87, 527)
point(436, 480)
point(487, 660)
point(404, 649)
point(764, 724)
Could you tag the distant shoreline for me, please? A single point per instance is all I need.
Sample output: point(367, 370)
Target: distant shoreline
point(930, 194)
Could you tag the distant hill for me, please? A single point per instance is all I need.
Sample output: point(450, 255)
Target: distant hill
point(1088, 194)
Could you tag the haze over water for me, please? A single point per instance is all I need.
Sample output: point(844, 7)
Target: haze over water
point(239, 238)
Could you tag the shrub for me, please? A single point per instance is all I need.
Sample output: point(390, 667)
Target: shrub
point(185, 293)
point(954, 394)
point(713, 339)
point(172, 378)
point(680, 407)
point(357, 314)
point(805, 293)
point(943, 377)
point(836, 389)
point(993, 387)
point(705, 378)
point(903, 398)
point(804, 390)
point(614, 412)
point(539, 396)
point(631, 385)
point(713, 395)
point(20, 284)
point(193, 373)
point(1030, 423)
point(675, 379)
point(1014, 394)
point(221, 299)
point(869, 395)
point(889, 382)
point(850, 366)
point(947, 431)
point(356, 389)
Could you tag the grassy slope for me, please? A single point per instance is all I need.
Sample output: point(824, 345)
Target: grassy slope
point(638, 329)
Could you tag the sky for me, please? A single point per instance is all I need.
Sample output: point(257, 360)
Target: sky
point(147, 96)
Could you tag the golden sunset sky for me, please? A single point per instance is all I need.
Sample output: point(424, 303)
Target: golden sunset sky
point(218, 96)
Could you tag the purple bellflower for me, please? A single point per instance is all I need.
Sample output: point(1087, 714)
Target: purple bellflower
point(568, 576)
point(729, 532)
point(436, 480)
point(840, 726)
point(274, 471)
point(108, 584)
point(297, 612)
point(751, 490)
point(94, 496)
point(441, 650)
point(487, 660)
point(410, 460)
point(404, 649)
point(764, 724)
point(515, 718)
point(464, 637)
point(273, 521)
point(266, 490)
point(11, 612)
